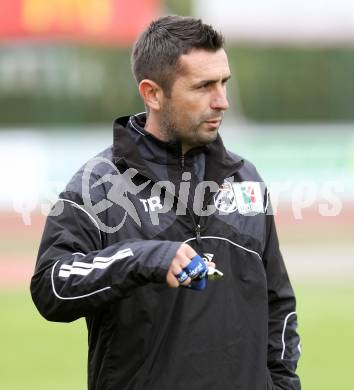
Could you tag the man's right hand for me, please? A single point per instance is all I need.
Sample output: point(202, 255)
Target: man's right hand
point(182, 258)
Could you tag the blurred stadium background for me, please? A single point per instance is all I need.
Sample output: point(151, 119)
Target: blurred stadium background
point(64, 76)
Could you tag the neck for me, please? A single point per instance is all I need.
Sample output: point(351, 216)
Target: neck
point(152, 125)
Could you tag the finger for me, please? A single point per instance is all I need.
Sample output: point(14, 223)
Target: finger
point(171, 280)
point(185, 253)
point(181, 277)
point(187, 282)
point(182, 260)
point(174, 270)
point(176, 266)
point(189, 251)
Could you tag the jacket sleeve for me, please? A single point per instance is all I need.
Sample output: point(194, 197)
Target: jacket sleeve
point(76, 274)
point(283, 340)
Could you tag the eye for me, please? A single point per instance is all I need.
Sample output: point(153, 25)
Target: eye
point(224, 82)
point(206, 85)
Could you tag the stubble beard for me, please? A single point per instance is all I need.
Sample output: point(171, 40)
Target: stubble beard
point(171, 130)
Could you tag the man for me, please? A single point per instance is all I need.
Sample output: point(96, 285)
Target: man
point(122, 243)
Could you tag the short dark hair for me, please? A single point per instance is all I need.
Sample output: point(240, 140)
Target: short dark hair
point(156, 53)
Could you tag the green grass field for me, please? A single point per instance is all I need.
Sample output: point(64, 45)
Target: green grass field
point(40, 355)
point(37, 354)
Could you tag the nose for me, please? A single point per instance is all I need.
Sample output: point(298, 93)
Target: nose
point(219, 100)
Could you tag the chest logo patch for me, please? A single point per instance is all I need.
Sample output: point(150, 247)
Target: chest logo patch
point(249, 197)
point(225, 198)
point(246, 197)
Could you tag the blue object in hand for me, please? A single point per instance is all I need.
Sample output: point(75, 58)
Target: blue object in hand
point(182, 276)
point(197, 270)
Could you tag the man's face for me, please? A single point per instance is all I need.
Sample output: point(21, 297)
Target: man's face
point(193, 112)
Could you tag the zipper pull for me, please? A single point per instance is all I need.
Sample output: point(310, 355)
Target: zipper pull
point(197, 233)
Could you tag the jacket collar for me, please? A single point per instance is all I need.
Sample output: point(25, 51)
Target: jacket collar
point(133, 145)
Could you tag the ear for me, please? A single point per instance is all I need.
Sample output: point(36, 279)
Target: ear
point(151, 93)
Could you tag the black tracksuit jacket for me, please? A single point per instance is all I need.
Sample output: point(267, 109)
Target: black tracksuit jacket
point(104, 260)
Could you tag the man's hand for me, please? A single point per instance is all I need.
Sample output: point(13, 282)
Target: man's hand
point(182, 258)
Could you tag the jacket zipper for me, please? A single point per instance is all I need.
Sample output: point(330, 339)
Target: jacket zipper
point(197, 234)
point(196, 225)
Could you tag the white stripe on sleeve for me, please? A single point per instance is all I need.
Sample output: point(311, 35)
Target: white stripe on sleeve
point(99, 262)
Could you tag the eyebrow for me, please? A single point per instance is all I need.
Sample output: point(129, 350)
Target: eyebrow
point(211, 81)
